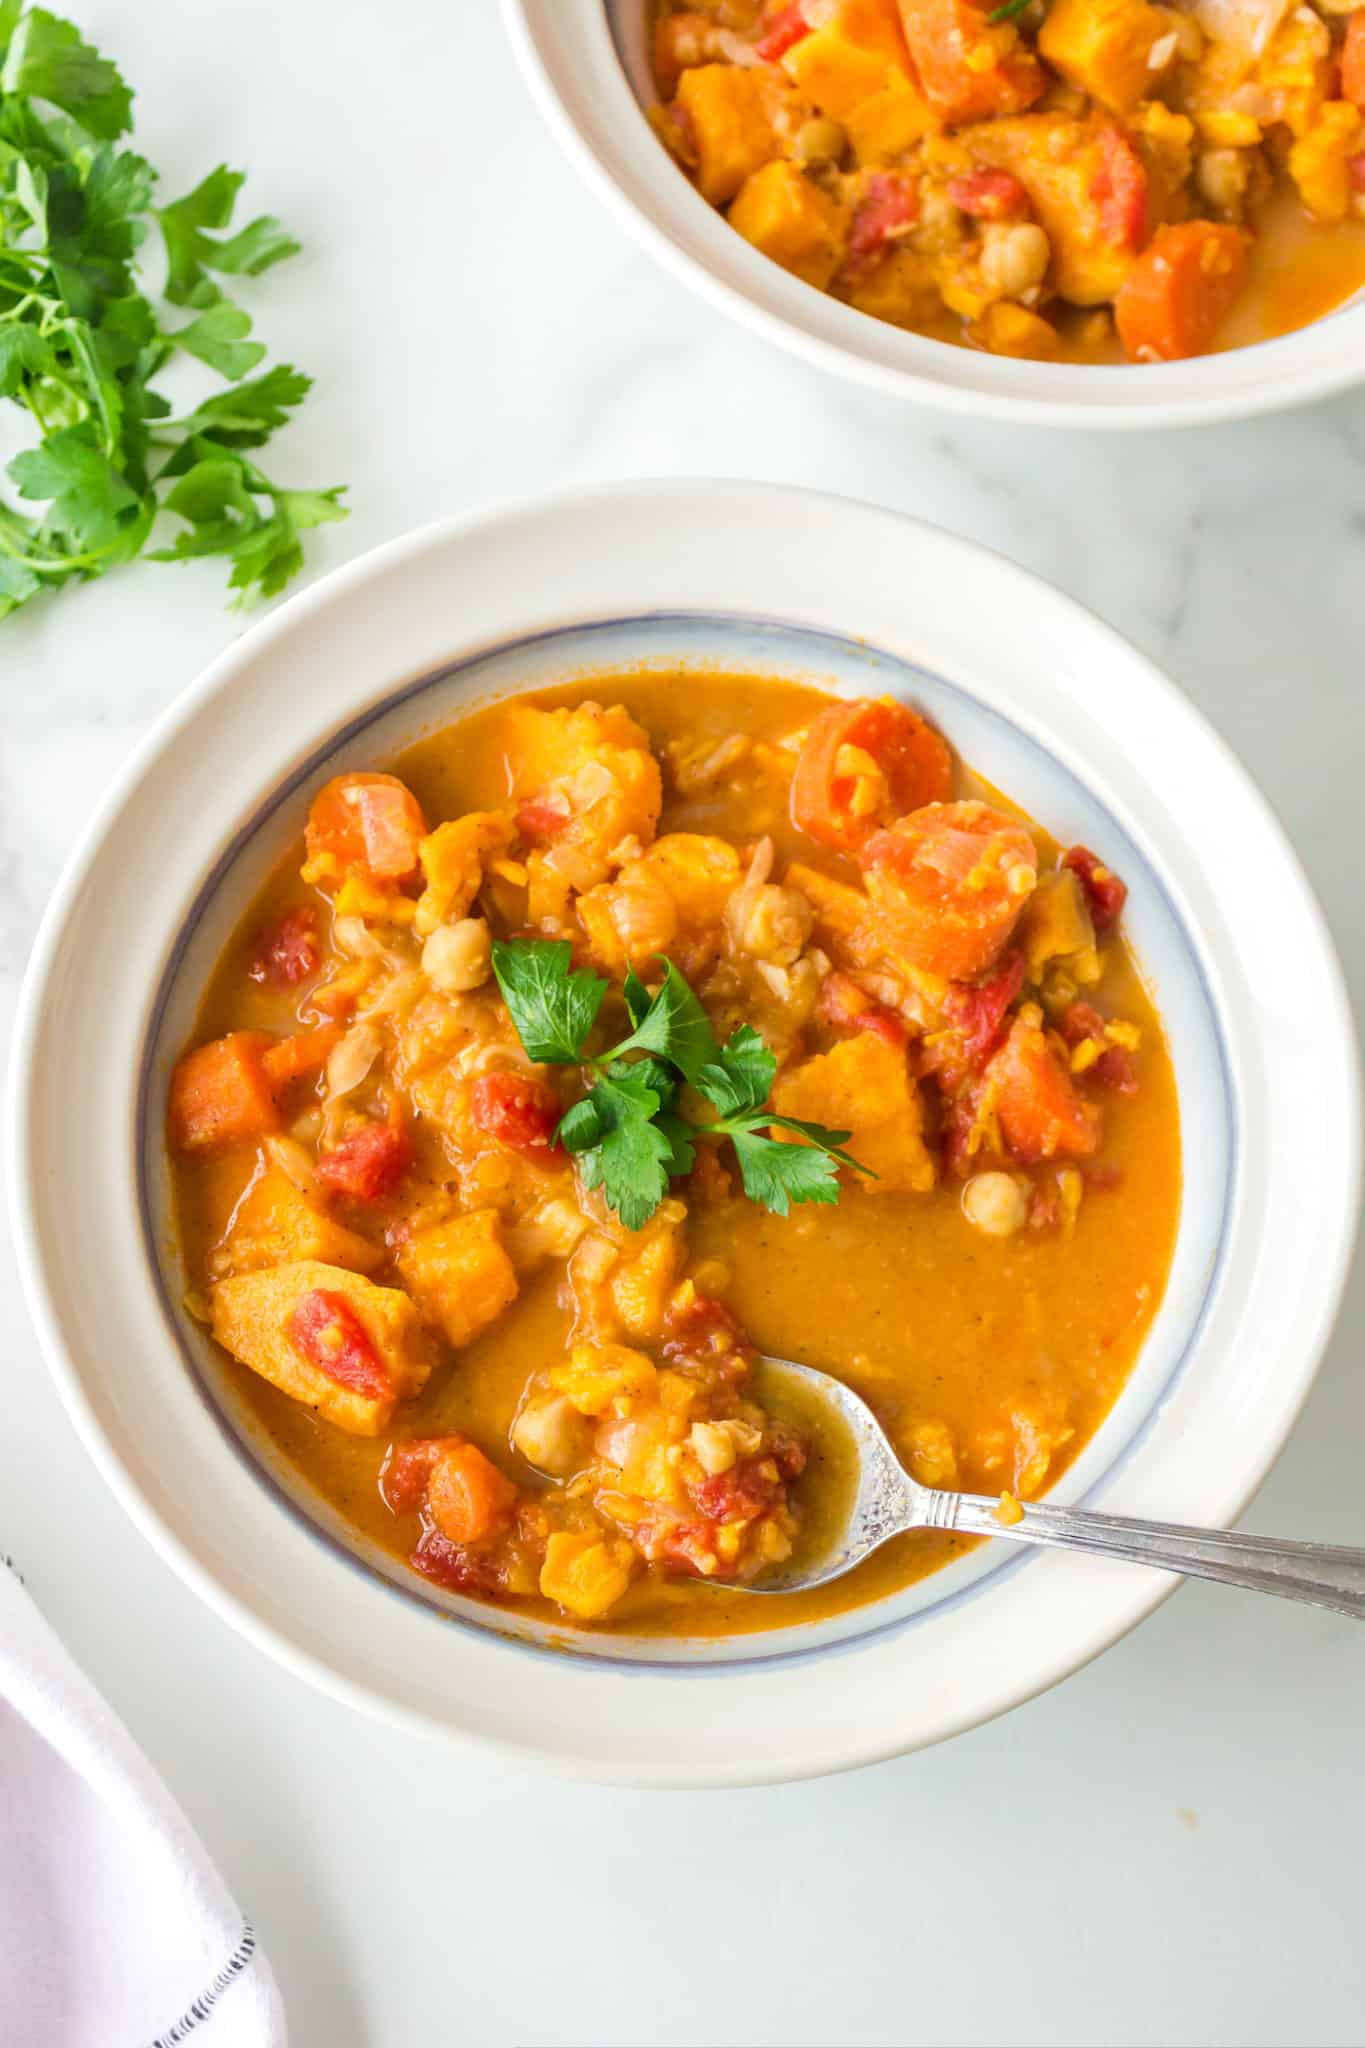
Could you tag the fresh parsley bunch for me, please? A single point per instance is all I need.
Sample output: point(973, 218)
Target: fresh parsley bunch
point(627, 1133)
point(81, 342)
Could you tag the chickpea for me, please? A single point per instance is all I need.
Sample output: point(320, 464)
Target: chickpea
point(458, 957)
point(1014, 257)
point(820, 141)
point(995, 1204)
point(549, 1434)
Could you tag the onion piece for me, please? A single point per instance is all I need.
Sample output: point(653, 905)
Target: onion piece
point(351, 1059)
point(1244, 25)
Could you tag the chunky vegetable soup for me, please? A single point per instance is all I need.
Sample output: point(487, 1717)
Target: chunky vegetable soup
point(1084, 180)
point(627, 1030)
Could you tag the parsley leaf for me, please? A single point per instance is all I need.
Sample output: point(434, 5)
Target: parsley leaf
point(82, 341)
point(742, 1074)
point(675, 1025)
point(218, 338)
point(778, 1175)
point(191, 252)
point(552, 1006)
point(627, 1134)
point(47, 60)
point(630, 1158)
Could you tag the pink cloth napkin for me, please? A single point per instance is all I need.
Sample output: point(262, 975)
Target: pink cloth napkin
point(116, 1931)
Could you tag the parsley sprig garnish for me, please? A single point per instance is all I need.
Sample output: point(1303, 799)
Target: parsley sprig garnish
point(627, 1133)
point(82, 342)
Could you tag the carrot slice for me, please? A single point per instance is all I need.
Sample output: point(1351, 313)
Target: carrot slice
point(467, 1495)
point(1174, 298)
point(221, 1095)
point(366, 825)
point(1042, 1114)
point(306, 1052)
point(950, 881)
point(839, 798)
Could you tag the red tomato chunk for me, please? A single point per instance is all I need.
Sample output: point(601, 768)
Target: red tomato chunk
point(542, 818)
point(786, 30)
point(990, 195)
point(1114, 1067)
point(1120, 191)
point(288, 953)
point(979, 1008)
point(844, 1006)
point(888, 208)
point(517, 1110)
point(326, 1330)
point(368, 1165)
point(1104, 892)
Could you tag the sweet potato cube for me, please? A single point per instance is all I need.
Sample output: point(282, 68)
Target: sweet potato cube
point(787, 216)
point(1056, 921)
point(1102, 47)
point(730, 124)
point(863, 1086)
point(274, 1225)
point(1060, 162)
point(586, 1574)
point(605, 1379)
point(850, 58)
point(459, 1274)
point(220, 1094)
point(453, 858)
point(970, 68)
point(251, 1318)
point(883, 127)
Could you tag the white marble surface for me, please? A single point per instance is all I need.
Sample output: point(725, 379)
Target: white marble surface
point(1167, 1850)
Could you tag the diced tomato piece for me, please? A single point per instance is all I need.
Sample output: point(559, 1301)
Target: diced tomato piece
point(740, 1495)
point(1353, 61)
point(1355, 171)
point(406, 1469)
point(368, 825)
point(1119, 190)
point(518, 1110)
point(950, 882)
point(326, 1330)
point(1114, 1068)
point(542, 818)
point(1104, 892)
point(963, 73)
point(303, 1053)
point(368, 1164)
point(1042, 1115)
point(782, 33)
point(979, 1008)
point(467, 1496)
point(221, 1095)
point(840, 801)
point(450, 1564)
point(844, 1006)
point(704, 1332)
point(888, 207)
point(990, 195)
point(1176, 295)
point(288, 953)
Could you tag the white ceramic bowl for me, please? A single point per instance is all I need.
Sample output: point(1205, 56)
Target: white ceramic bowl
point(586, 63)
point(1047, 703)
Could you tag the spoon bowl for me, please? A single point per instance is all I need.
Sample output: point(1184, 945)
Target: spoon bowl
point(883, 1501)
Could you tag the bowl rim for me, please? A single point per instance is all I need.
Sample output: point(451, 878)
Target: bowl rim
point(1105, 1608)
point(568, 55)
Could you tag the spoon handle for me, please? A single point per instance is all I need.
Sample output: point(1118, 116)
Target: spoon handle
point(1320, 1574)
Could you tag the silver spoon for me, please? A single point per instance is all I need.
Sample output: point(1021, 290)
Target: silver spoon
point(887, 1502)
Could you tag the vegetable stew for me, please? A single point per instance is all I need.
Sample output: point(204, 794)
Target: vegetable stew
point(1080, 180)
point(624, 1031)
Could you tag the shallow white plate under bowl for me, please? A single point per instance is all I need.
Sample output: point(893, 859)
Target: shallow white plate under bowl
point(1040, 698)
point(587, 65)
